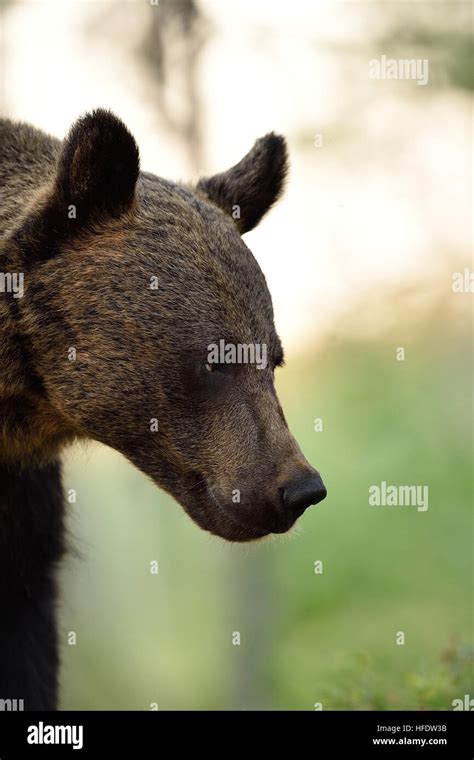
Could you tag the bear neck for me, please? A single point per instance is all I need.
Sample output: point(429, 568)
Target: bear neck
point(31, 432)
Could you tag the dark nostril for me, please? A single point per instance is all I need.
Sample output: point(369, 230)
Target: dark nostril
point(303, 492)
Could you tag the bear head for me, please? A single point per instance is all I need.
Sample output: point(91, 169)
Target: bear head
point(148, 326)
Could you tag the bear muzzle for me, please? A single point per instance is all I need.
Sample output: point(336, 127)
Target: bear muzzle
point(260, 515)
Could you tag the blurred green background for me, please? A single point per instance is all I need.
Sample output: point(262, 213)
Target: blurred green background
point(359, 258)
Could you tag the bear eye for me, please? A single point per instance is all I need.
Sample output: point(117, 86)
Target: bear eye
point(214, 368)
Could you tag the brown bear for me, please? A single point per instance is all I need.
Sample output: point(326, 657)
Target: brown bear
point(132, 313)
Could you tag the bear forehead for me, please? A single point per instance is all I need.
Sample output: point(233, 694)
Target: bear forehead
point(199, 258)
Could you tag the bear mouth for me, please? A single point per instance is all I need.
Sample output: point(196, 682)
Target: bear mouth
point(254, 529)
point(202, 505)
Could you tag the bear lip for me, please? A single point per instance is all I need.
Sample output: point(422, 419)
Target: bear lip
point(256, 531)
point(203, 507)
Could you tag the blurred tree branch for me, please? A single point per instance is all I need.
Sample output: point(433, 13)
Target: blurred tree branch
point(171, 51)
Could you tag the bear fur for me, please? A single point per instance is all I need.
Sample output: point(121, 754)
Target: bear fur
point(128, 278)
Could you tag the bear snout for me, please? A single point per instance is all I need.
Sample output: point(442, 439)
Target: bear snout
point(259, 513)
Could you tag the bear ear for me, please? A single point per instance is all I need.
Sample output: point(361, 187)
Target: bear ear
point(98, 166)
point(251, 187)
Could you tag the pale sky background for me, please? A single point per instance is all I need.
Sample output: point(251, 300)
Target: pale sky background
point(382, 205)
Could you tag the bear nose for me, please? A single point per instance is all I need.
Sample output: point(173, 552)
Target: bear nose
point(301, 493)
